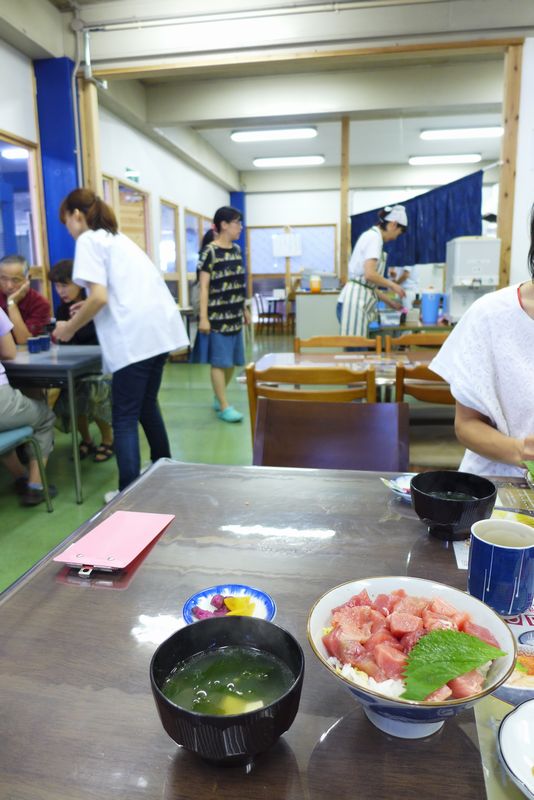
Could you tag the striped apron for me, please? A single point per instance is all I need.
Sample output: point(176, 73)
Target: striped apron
point(359, 304)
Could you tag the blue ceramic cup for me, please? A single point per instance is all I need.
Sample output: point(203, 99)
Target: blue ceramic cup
point(44, 341)
point(34, 344)
point(501, 565)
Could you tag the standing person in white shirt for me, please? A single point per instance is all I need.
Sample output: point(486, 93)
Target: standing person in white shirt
point(356, 306)
point(137, 324)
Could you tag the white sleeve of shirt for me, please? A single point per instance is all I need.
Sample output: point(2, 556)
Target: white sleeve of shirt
point(373, 247)
point(89, 264)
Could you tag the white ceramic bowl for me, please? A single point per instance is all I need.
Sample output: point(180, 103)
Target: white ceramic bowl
point(411, 719)
point(516, 746)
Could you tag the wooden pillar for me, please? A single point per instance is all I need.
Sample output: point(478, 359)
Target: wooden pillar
point(344, 228)
point(90, 135)
point(505, 217)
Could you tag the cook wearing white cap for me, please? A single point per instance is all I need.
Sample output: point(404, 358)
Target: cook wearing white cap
point(356, 307)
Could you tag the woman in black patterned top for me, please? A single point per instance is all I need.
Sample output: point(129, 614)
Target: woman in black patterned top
point(222, 308)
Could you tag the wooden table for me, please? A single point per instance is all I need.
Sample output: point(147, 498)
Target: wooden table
point(60, 366)
point(78, 720)
point(384, 364)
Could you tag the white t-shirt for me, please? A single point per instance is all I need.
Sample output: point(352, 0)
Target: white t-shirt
point(369, 245)
point(488, 359)
point(140, 319)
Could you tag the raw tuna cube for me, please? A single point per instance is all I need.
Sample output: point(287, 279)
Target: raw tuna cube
point(379, 637)
point(361, 599)
point(343, 647)
point(435, 622)
point(443, 693)
point(384, 604)
point(466, 685)
point(354, 621)
point(390, 660)
point(368, 665)
point(411, 639)
point(400, 623)
point(444, 609)
point(411, 605)
point(479, 632)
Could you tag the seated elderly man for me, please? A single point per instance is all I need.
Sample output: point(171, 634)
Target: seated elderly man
point(28, 311)
point(17, 410)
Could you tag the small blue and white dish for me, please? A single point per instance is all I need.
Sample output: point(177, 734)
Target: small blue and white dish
point(265, 607)
point(400, 486)
point(516, 746)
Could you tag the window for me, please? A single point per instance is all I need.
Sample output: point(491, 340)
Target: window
point(108, 192)
point(19, 202)
point(195, 227)
point(168, 247)
point(318, 247)
point(133, 214)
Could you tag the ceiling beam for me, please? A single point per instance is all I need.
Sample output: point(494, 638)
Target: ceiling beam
point(314, 96)
point(33, 27)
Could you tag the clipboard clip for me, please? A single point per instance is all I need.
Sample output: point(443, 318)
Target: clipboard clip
point(85, 572)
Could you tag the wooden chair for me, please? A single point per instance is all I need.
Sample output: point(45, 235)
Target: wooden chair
point(15, 437)
point(268, 318)
point(370, 436)
point(410, 340)
point(285, 382)
point(338, 341)
point(423, 384)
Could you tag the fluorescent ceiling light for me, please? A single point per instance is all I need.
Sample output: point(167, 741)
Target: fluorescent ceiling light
point(14, 153)
point(289, 161)
point(465, 158)
point(274, 135)
point(463, 133)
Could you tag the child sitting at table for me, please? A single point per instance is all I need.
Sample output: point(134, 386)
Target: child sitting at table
point(93, 395)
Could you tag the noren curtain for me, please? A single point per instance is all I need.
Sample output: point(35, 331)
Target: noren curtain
point(433, 218)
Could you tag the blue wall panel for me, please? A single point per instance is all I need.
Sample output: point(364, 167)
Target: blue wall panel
point(58, 147)
point(239, 200)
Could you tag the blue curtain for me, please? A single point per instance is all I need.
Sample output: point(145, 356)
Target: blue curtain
point(433, 218)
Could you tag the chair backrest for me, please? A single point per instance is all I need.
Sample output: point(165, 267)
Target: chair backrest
point(372, 436)
point(415, 340)
point(420, 382)
point(285, 382)
point(260, 305)
point(338, 341)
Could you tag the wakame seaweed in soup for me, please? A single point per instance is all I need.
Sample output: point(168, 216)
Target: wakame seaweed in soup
point(228, 680)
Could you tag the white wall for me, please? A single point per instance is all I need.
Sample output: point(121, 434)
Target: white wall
point(163, 175)
point(17, 94)
point(524, 181)
point(293, 208)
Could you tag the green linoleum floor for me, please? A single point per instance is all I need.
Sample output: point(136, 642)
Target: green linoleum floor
point(195, 433)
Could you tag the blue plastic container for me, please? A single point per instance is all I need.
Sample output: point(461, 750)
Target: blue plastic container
point(430, 307)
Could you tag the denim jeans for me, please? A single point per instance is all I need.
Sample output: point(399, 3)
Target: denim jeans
point(134, 393)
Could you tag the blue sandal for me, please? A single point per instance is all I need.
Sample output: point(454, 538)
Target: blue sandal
point(230, 415)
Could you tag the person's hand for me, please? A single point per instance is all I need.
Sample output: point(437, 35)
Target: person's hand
point(204, 325)
point(246, 316)
point(75, 307)
point(21, 292)
point(393, 304)
point(62, 332)
point(395, 287)
point(392, 273)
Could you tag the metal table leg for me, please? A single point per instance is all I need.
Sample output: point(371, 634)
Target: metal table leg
point(74, 433)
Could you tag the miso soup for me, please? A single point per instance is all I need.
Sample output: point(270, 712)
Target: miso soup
point(463, 496)
point(228, 680)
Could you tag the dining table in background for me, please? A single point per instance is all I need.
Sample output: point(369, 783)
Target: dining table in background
point(78, 719)
point(61, 366)
point(384, 363)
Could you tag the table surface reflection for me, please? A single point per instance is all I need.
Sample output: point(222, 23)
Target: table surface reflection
point(78, 720)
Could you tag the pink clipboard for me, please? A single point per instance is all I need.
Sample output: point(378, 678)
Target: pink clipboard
point(114, 543)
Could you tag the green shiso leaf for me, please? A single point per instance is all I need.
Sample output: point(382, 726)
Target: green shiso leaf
point(440, 656)
point(530, 466)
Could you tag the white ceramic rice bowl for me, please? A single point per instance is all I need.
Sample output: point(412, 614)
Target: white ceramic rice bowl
point(411, 719)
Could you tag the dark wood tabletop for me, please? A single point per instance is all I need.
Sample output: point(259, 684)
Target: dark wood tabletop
point(78, 721)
